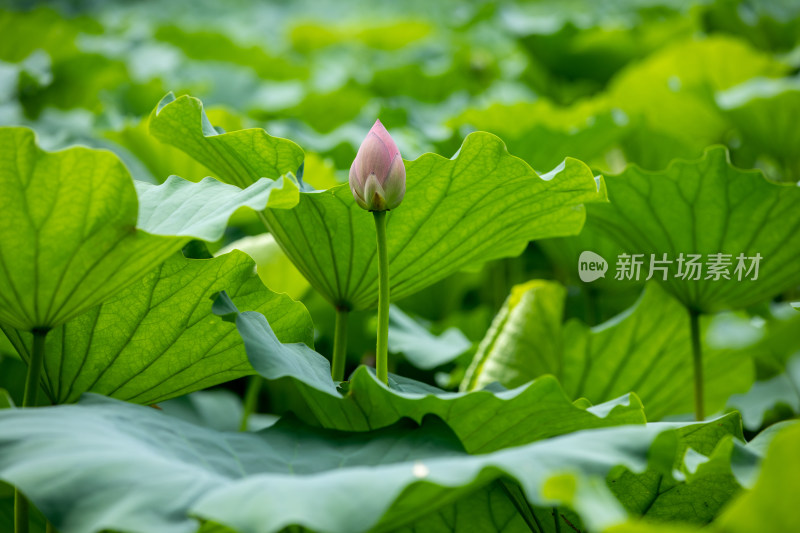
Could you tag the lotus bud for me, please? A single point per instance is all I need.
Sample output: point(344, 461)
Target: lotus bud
point(377, 175)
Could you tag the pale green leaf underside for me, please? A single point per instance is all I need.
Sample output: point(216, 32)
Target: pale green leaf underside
point(240, 157)
point(158, 339)
point(706, 207)
point(201, 210)
point(422, 348)
point(481, 205)
point(115, 465)
point(645, 350)
point(484, 420)
point(783, 389)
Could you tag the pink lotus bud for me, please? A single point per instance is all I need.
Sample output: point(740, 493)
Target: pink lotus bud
point(377, 175)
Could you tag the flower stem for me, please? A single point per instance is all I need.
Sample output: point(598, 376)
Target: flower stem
point(339, 345)
point(382, 349)
point(35, 362)
point(250, 399)
point(697, 359)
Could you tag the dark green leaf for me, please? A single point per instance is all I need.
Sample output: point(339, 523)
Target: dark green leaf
point(483, 420)
point(109, 464)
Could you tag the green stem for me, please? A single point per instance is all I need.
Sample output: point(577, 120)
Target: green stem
point(250, 399)
point(21, 505)
point(20, 512)
point(339, 345)
point(382, 349)
point(697, 359)
point(50, 528)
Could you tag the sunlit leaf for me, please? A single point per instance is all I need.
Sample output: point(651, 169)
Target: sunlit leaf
point(68, 232)
point(483, 204)
point(706, 207)
point(714, 454)
point(158, 339)
point(543, 134)
point(671, 94)
point(645, 350)
point(73, 232)
point(275, 269)
point(457, 213)
point(770, 505)
point(239, 157)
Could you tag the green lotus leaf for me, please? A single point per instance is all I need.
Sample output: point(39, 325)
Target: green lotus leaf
point(239, 157)
point(483, 204)
point(645, 350)
point(114, 465)
point(43, 28)
point(6, 402)
point(37, 521)
point(543, 134)
point(162, 160)
point(766, 395)
point(488, 509)
point(671, 100)
point(69, 235)
point(213, 46)
point(275, 269)
point(706, 207)
point(765, 112)
point(422, 348)
point(157, 338)
point(201, 210)
point(219, 409)
point(484, 420)
point(711, 456)
point(769, 506)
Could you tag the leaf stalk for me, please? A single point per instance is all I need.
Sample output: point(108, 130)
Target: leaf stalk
point(250, 399)
point(35, 363)
point(339, 345)
point(382, 348)
point(697, 360)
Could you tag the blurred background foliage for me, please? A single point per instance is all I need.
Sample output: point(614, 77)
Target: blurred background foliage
point(611, 83)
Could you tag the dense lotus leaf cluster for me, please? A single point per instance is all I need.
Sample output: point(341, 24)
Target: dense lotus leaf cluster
point(591, 268)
